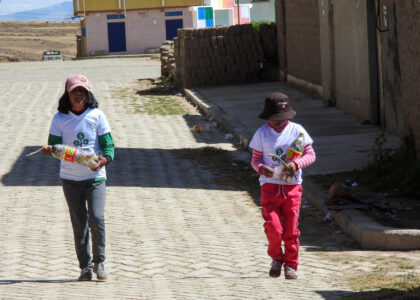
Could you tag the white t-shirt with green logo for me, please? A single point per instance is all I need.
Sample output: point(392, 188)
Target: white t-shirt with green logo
point(269, 141)
point(80, 131)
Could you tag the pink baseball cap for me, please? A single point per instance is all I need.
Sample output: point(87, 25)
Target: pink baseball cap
point(75, 81)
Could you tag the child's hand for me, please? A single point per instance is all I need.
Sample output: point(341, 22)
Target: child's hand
point(267, 171)
point(102, 161)
point(289, 168)
point(46, 150)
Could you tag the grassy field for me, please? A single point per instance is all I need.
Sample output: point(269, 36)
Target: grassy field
point(26, 41)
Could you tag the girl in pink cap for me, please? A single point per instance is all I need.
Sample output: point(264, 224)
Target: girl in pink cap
point(281, 192)
point(79, 123)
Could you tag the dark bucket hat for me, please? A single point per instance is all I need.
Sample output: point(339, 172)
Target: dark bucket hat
point(277, 107)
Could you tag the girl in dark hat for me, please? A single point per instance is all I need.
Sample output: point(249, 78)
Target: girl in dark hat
point(281, 197)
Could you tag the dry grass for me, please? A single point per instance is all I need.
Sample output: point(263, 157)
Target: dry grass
point(26, 41)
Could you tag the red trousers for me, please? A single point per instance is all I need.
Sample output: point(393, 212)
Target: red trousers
point(280, 210)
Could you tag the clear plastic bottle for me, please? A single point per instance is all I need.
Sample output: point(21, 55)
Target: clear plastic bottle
point(294, 152)
point(74, 155)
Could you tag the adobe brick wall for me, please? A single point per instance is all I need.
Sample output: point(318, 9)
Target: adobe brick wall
point(222, 55)
point(408, 28)
point(167, 58)
point(303, 40)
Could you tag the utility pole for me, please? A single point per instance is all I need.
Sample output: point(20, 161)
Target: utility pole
point(239, 15)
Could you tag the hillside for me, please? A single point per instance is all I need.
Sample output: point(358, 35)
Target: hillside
point(26, 41)
point(54, 13)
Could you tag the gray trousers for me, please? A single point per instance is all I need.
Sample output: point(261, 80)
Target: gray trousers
point(86, 202)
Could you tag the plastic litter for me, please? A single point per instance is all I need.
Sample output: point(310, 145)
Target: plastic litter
point(228, 136)
point(328, 218)
point(201, 127)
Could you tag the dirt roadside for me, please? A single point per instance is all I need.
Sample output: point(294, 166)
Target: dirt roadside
point(26, 41)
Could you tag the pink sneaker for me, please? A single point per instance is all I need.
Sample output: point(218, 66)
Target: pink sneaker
point(290, 273)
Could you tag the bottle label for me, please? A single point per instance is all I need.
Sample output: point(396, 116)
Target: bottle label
point(69, 154)
point(293, 154)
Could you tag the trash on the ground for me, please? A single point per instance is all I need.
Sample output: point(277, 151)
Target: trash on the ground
point(201, 127)
point(210, 118)
point(328, 218)
point(305, 206)
point(337, 232)
point(354, 184)
point(214, 124)
point(234, 164)
point(337, 192)
point(178, 94)
point(73, 155)
point(228, 136)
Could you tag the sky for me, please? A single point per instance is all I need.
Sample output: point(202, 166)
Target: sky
point(13, 6)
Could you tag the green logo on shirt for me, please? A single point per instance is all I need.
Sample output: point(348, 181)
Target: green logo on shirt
point(81, 140)
point(279, 153)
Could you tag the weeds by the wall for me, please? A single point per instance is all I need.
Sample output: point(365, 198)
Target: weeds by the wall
point(256, 24)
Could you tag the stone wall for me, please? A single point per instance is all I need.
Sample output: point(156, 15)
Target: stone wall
point(223, 55)
point(167, 58)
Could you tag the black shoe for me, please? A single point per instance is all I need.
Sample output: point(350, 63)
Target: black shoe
point(85, 274)
point(275, 270)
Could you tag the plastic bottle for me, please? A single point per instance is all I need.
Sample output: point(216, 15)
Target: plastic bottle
point(296, 148)
point(201, 127)
point(74, 155)
point(294, 152)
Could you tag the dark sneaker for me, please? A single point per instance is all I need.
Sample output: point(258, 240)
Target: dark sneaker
point(290, 273)
point(99, 269)
point(86, 274)
point(275, 270)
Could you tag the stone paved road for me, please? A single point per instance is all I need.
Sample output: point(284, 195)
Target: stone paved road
point(171, 232)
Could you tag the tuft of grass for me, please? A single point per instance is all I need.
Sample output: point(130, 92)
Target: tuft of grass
point(156, 100)
point(256, 24)
point(159, 105)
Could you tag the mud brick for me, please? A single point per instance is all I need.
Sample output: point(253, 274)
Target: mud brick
point(220, 41)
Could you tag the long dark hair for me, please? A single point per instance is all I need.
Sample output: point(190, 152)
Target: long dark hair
point(64, 104)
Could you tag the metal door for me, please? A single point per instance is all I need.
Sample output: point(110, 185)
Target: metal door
point(116, 37)
point(171, 28)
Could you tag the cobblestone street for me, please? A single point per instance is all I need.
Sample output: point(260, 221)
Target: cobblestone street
point(171, 232)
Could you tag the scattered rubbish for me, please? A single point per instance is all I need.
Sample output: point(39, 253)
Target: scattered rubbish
point(210, 118)
point(328, 218)
point(202, 127)
point(337, 232)
point(178, 94)
point(354, 184)
point(305, 206)
point(228, 136)
point(234, 164)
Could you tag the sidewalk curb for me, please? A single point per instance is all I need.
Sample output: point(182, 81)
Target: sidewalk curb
point(368, 233)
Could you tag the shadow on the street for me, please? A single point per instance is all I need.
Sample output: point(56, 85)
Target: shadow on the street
point(389, 294)
point(132, 167)
point(6, 282)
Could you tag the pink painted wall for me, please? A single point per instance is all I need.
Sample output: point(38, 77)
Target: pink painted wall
point(140, 30)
